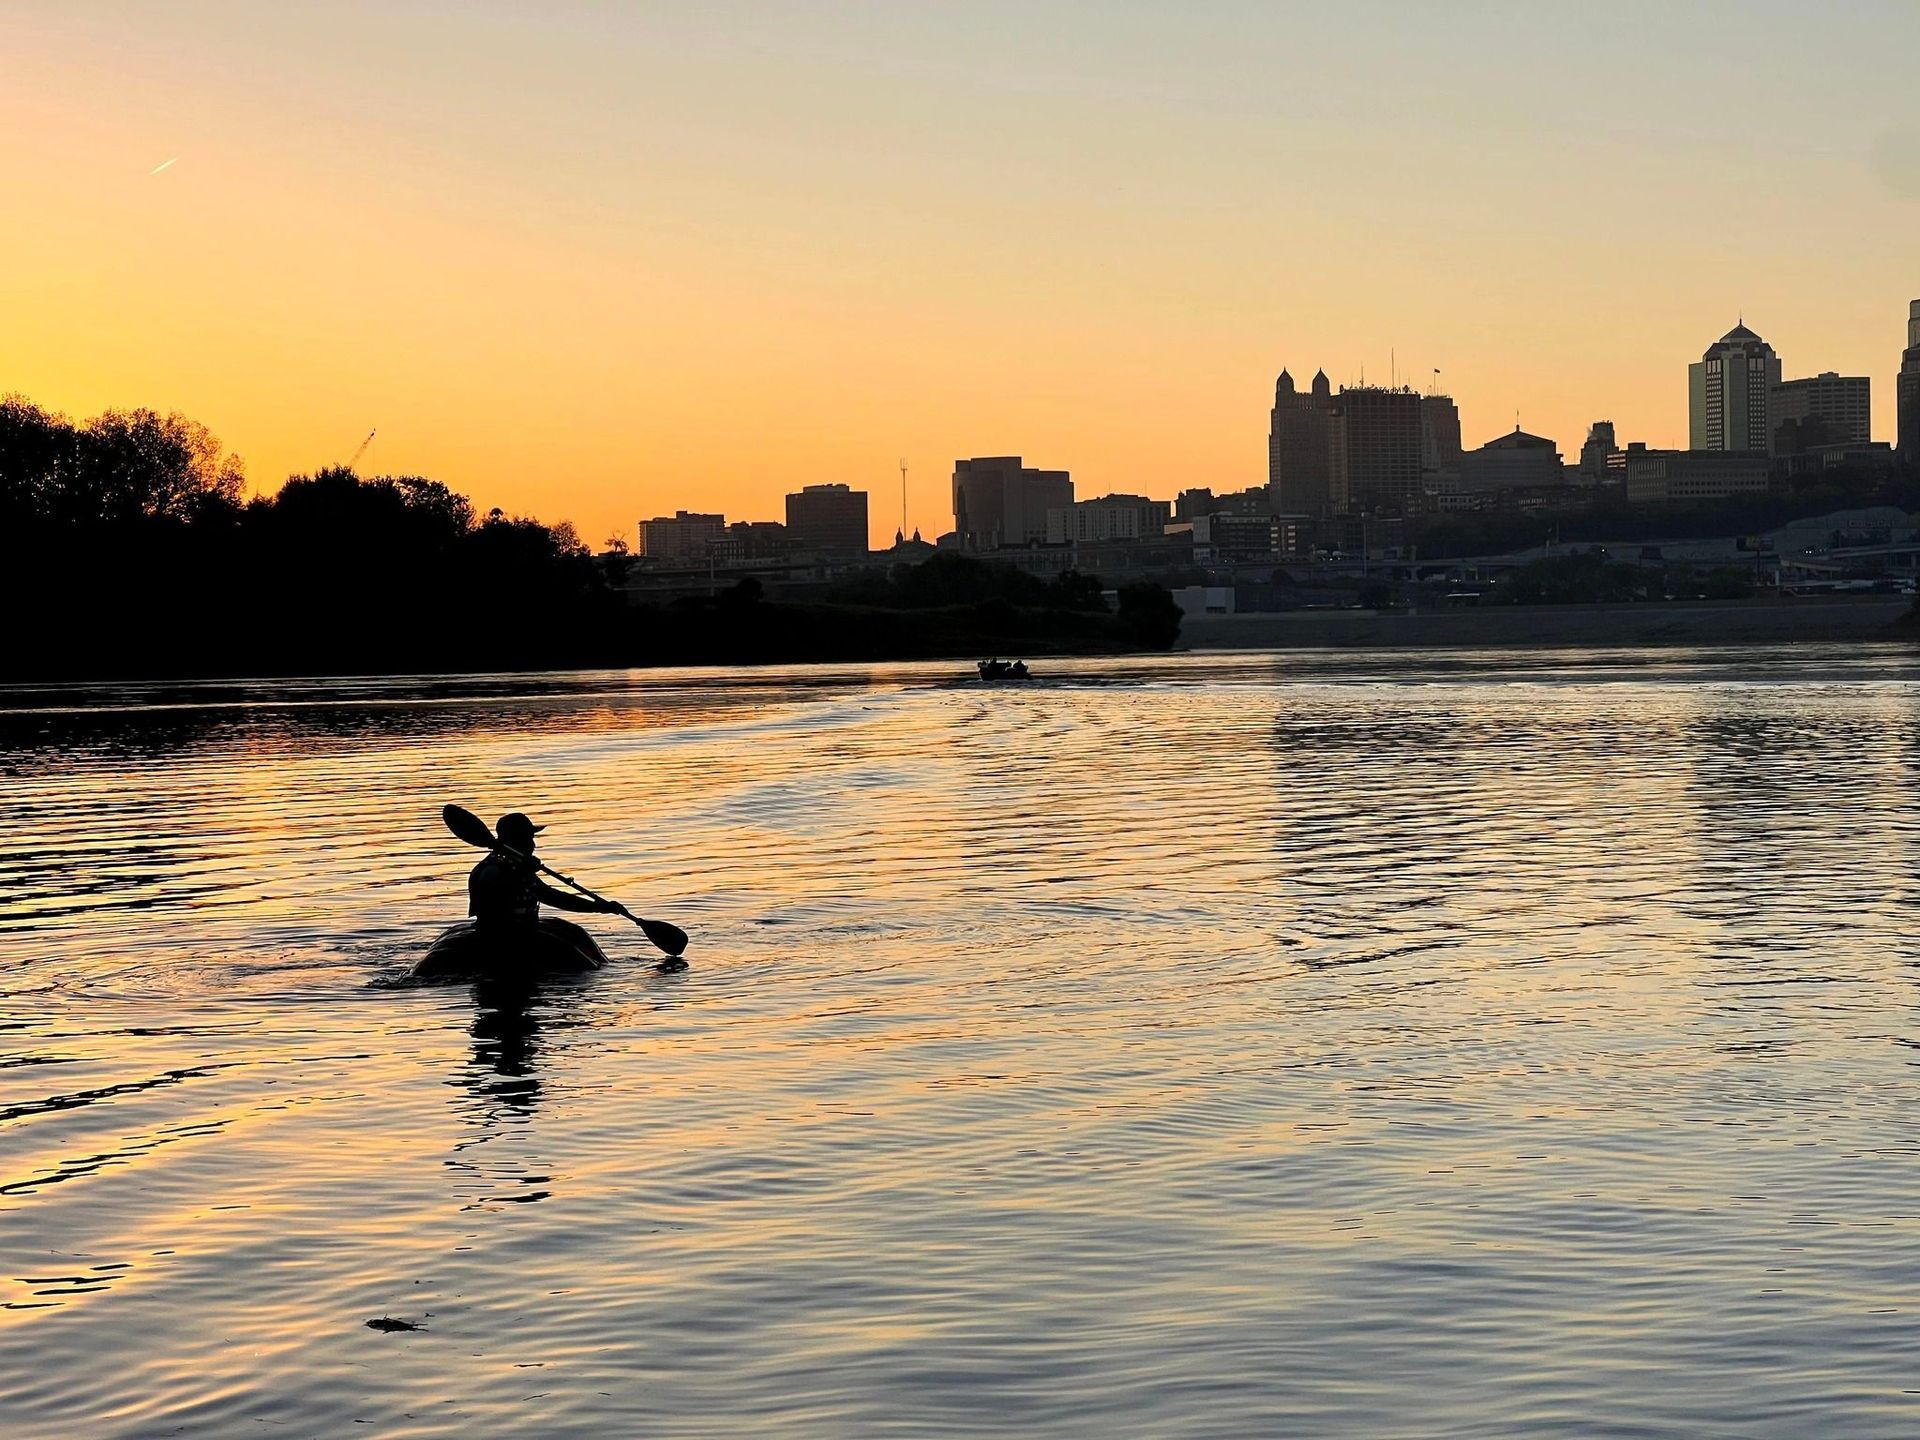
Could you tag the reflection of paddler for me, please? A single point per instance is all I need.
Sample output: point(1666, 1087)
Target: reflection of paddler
point(506, 1042)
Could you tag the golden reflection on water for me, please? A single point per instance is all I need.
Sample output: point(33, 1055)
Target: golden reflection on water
point(1220, 1045)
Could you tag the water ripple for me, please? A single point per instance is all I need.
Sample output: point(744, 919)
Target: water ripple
point(1450, 1045)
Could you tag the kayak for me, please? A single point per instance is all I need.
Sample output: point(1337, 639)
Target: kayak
point(550, 947)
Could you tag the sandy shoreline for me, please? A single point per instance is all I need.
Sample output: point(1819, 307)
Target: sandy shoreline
point(1704, 622)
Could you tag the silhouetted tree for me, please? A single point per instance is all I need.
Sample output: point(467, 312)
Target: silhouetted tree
point(1149, 615)
point(616, 562)
point(127, 541)
point(1074, 591)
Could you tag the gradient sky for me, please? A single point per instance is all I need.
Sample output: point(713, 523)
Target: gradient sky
point(597, 261)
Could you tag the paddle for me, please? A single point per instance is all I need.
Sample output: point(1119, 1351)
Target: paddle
point(472, 829)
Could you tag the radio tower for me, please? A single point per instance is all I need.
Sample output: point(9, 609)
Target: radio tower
point(903, 497)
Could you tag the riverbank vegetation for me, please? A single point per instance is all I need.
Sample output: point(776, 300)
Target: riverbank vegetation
point(128, 546)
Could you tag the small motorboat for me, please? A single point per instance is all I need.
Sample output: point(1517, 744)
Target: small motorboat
point(549, 947)
point(1001, 670)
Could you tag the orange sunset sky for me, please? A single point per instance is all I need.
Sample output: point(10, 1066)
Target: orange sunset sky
point(597, 261)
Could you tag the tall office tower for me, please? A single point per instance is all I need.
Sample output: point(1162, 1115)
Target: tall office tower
point(832, 518)
point(1730, 393)
point(1824, 409)
point(1375, 447)
point(1298, 470)
point(1597, 455)
point(1909, 391)
point(1439, 435)
point(998, 502)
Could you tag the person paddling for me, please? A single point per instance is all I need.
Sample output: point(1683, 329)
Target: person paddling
point(505, 888)
point(507, 934)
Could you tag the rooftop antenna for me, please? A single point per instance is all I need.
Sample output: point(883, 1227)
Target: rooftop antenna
point(903, 497)
point(1393, 368)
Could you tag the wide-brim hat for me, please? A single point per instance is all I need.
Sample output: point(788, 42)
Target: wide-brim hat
point(518, 823)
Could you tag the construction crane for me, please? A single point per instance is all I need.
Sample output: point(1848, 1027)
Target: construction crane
point(354, 459)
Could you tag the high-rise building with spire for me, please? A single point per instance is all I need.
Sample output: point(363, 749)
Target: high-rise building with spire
point(1299, 471)
point(1909, 390)
point(1730, 393)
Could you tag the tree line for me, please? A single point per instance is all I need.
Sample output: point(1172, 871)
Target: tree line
point(128, 545)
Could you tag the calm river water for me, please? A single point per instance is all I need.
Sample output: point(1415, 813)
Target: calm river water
point(1226, 1045)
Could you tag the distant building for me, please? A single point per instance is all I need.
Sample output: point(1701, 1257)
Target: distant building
point(1255, 502)
point(1439, 435)
point(1909, 391)
point(746, 541)
point(1000, 503)
point(828, 518)
point(1299, 465)
point(1682, 477)
point(1232, 537)
point(1107, 517)
point(1512, 462)
point(905, 551)
point(684, 535)
point(1730, 393)
point(1204, 599)
point(1824, 409)
point(1375, 445)
point(1601, 458)
point(1873, 457)
point(1196, 501)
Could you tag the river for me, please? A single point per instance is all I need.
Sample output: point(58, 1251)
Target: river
point(1439, 1044)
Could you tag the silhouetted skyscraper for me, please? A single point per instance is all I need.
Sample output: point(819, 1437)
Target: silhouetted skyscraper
point(832, 518)
point(1299, 470)
point(1730, 393)
point(998, 501)
point(1375, 444)
point(1824, 409)
point(1439, 434)
point(1599, 456)
point(1909, 390)
point(1298, 465)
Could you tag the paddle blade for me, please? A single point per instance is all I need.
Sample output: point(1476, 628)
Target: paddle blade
point(468, 826)
point(670, 938)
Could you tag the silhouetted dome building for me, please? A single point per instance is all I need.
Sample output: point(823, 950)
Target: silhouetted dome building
point(1518, 461)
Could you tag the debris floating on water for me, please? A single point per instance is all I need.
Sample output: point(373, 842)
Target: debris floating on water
point(387, 1322)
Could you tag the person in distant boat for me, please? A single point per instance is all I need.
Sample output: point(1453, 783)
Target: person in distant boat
point(505, 889)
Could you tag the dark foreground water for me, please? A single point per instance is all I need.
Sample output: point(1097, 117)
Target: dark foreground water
point(1451, 1045)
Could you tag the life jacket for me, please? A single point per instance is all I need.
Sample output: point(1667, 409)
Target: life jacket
point(502, 890)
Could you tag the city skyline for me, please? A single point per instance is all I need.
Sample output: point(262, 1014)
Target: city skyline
point(600, 267)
